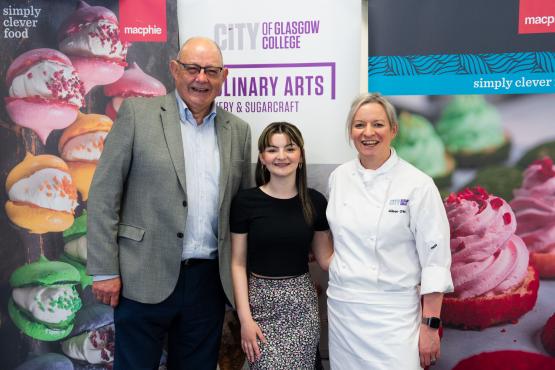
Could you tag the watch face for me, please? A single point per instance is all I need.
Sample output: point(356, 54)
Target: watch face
point(434, 322)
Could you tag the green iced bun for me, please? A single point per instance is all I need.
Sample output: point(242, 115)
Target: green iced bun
point(498, 180)
point(36, 329)
point(417, 143)
point(471, 129)
point(77, 229)
point(44, 272)
point(538, 152)
point(86, 280)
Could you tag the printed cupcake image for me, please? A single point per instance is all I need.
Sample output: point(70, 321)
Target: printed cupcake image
point(499, 180)
point(471, 129)
point(534, 206)
point(548, 335)
point(92, 340)
point(42, 196)
point(81, 145)
point(45, 92)
point(538, 152)
point(417, 143)
point(134, 82)
point(493, 282)
point(90, 37)
point(75, 248)
point(44, 300)
point(505, 360)
point(47, 361)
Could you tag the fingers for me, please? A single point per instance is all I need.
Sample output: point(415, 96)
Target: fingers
point(428, 359)
point(261, 336)
point(107, 291)
point(251, 349)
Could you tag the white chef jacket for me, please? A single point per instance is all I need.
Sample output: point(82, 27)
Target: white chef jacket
point(390, 231)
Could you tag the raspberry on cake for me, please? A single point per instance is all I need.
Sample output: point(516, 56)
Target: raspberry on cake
point(493, 281)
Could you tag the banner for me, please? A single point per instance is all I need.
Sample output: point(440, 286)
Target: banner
point(485, 147)
point(461, 47)
point(288, 61)
point(65, 67)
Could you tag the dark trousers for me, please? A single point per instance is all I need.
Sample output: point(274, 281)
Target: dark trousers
point(191, 317)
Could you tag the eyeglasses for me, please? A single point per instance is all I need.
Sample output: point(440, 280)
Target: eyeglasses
point(194, 69)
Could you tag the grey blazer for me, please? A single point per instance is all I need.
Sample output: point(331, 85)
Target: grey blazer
point(137, 205)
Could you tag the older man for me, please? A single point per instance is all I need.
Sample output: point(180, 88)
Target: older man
point(158, 237)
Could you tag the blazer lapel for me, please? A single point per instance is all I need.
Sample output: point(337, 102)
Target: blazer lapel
point(172, 133)
point(223, 132)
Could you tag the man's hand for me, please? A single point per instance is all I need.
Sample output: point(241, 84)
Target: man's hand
point(107, 291)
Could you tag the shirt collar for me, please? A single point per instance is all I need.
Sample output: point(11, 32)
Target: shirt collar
point(186, 115)
point(384, 168)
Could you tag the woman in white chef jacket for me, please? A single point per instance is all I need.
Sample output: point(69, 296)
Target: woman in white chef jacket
point(391, 238)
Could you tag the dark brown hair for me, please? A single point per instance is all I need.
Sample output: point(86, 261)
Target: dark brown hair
point(262, 174)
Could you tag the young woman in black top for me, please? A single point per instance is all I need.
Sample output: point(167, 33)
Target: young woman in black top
point(273, 228)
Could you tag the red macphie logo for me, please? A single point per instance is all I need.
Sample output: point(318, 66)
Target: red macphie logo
point(143, 20)
point(536, 16)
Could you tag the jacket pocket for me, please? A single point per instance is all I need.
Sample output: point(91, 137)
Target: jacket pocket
point(131, 232)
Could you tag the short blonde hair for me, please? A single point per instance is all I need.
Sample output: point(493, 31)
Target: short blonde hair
point(368, 98)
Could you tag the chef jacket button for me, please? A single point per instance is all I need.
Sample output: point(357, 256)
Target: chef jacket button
point(373, 268)
point(184, 203)
point(180, 235)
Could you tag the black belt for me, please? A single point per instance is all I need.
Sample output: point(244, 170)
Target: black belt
point(189, 262)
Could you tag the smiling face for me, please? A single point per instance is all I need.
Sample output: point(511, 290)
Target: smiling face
point(282, 156)
point(372, 133)
point(198, 91)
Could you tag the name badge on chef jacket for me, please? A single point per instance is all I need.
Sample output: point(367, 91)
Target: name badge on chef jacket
point(398, 205)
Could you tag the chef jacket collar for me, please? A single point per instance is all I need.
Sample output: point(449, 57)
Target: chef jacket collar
point(369, 174)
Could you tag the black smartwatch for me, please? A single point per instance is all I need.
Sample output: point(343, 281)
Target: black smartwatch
point(432, 322)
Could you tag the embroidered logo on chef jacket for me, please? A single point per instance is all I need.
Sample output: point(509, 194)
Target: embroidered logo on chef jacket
point(398, 205)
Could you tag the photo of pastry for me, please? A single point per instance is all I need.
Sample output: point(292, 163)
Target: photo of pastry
point(81, 145)
point(493, 281)
point(134, 82)
point(91, 343)
point(75, 248)
point(44, 300)
point(42, 195)
point(418, 143)
point(503, 360)
point(472, 131)
point(534, 206)
point(90, 37)
point(474, 325)
point(45, 92)
point(52, 130)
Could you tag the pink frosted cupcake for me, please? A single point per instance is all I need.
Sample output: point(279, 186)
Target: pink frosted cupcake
point(534, 206)
point(493, 282)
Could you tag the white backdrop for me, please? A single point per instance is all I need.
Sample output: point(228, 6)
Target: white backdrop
point(289, 60)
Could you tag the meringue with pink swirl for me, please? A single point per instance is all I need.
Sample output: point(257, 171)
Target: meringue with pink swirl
point(487, 257)
point(534, 206)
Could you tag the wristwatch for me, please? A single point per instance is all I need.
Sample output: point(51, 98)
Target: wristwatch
point(432, 322)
